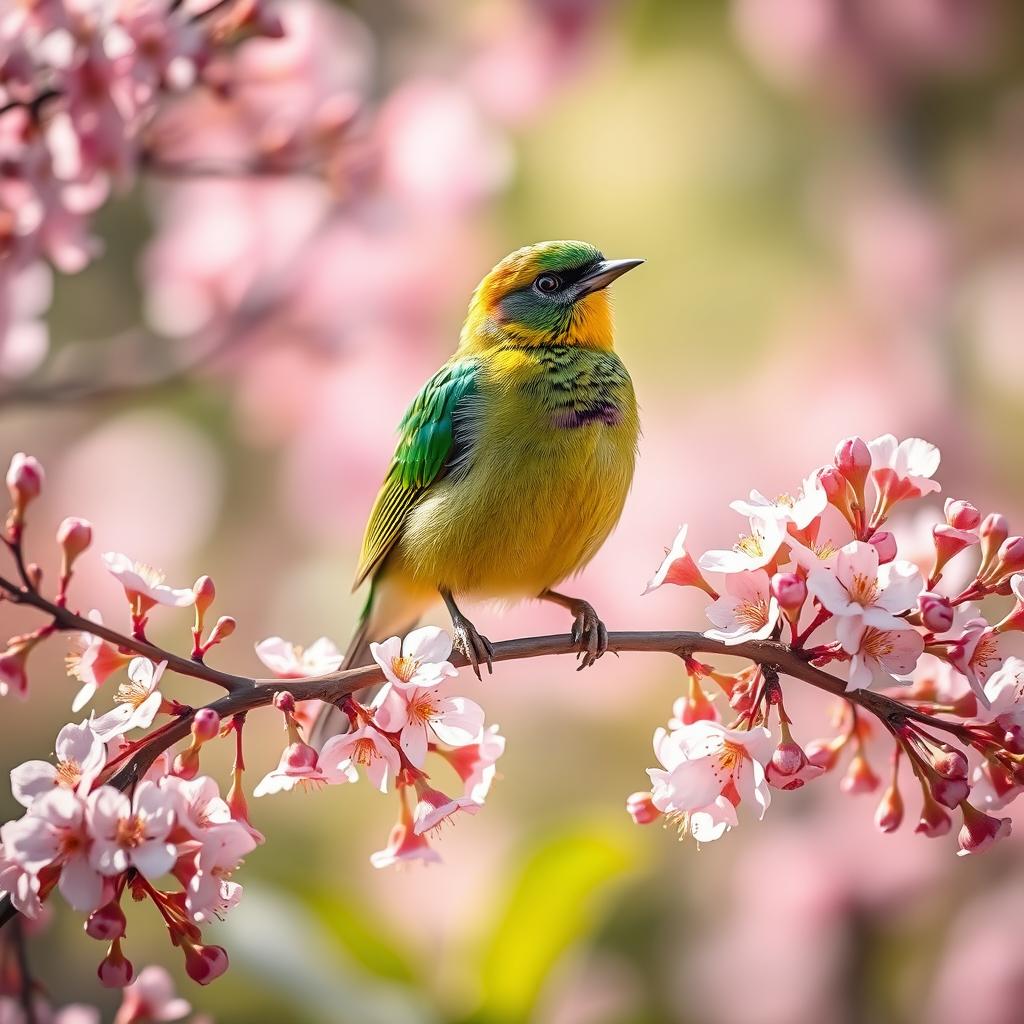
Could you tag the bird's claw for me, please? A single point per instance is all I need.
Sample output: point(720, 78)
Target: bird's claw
point(474, 645)
point(589, 634)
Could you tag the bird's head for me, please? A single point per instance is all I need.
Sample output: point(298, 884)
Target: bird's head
point(551, 293)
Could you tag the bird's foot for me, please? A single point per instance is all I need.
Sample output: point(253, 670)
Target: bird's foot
point(589, 634)
point(473, 644)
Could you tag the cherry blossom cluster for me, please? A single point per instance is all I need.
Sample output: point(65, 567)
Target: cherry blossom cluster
point(389, 740)
point(80, 81)
point(120, 812)
point(827, 576)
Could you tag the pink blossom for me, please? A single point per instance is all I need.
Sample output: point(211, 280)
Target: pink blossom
point(801, 510)
point(755, 550)
point(92, 660)
point(747, 611)
point(707, 771)
point(223, 843)
point(81, 756)
point(198, 805)
point(138, 701)
point(289, 661)
point(860, 593)
point(364, 748)
point(1004, 695)
point(678, 567)
point(54, 831)
point(977, 654)
point(22, 886)
point(418, 661)
point(475, 762)
point(211, 893)
point(300, 766)
point(132, 832)
point(434, 808)
point(902, 469)
point(818, 546)
point(882, 653)
point(405, 844)
point(416, 711)
point(980, 831)
point(151, 997)
point(144, 586)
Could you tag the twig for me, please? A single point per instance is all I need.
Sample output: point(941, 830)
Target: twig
point(69, 621)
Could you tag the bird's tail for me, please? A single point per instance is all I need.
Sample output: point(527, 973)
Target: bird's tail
point(388, 610)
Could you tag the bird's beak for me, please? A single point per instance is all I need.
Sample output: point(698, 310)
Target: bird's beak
point(604, 273)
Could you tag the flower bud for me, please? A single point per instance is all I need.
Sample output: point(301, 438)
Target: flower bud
point(788, 758)
point(885, 544)
point(950, 764)
point(935, 821)
point(1011, 555)
point(107, 923)
point(961, 515)
point(205, 593)
point(993, 531)
point(980, 830)
point(284, 701)
point(205, 724)
point(834, 484)
point(205, 963)
point(223, 628)
point(640, 807)
point(695, 707)
point(948, 542)
point(859, 777)
point(853, 460)
point(790, 591)
point(115, 970)
point(299, 757)
point(25, 478)
point(74, 536)
point(889, 814)
point(936, 612)
point(949, 792)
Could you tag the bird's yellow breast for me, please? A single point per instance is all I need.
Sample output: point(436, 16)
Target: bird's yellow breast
point(555, 436)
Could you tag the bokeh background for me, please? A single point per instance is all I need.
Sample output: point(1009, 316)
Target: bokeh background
point(829, 194)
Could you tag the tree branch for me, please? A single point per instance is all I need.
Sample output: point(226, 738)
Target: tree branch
point(69, 621)
point(245, 693)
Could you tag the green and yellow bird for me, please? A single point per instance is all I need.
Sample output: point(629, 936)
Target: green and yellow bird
point(514, 460)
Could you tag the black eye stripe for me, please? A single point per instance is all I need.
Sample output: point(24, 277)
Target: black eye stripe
point(570, 275)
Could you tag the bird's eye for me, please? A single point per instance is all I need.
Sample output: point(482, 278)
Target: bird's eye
point(548, 283)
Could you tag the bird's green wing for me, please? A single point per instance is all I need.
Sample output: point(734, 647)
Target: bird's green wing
point(435, 436)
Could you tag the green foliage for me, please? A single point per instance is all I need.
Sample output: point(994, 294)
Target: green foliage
point(556, 900)
point(355, 929)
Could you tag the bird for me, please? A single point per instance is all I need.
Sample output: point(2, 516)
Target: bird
point(513, 462)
